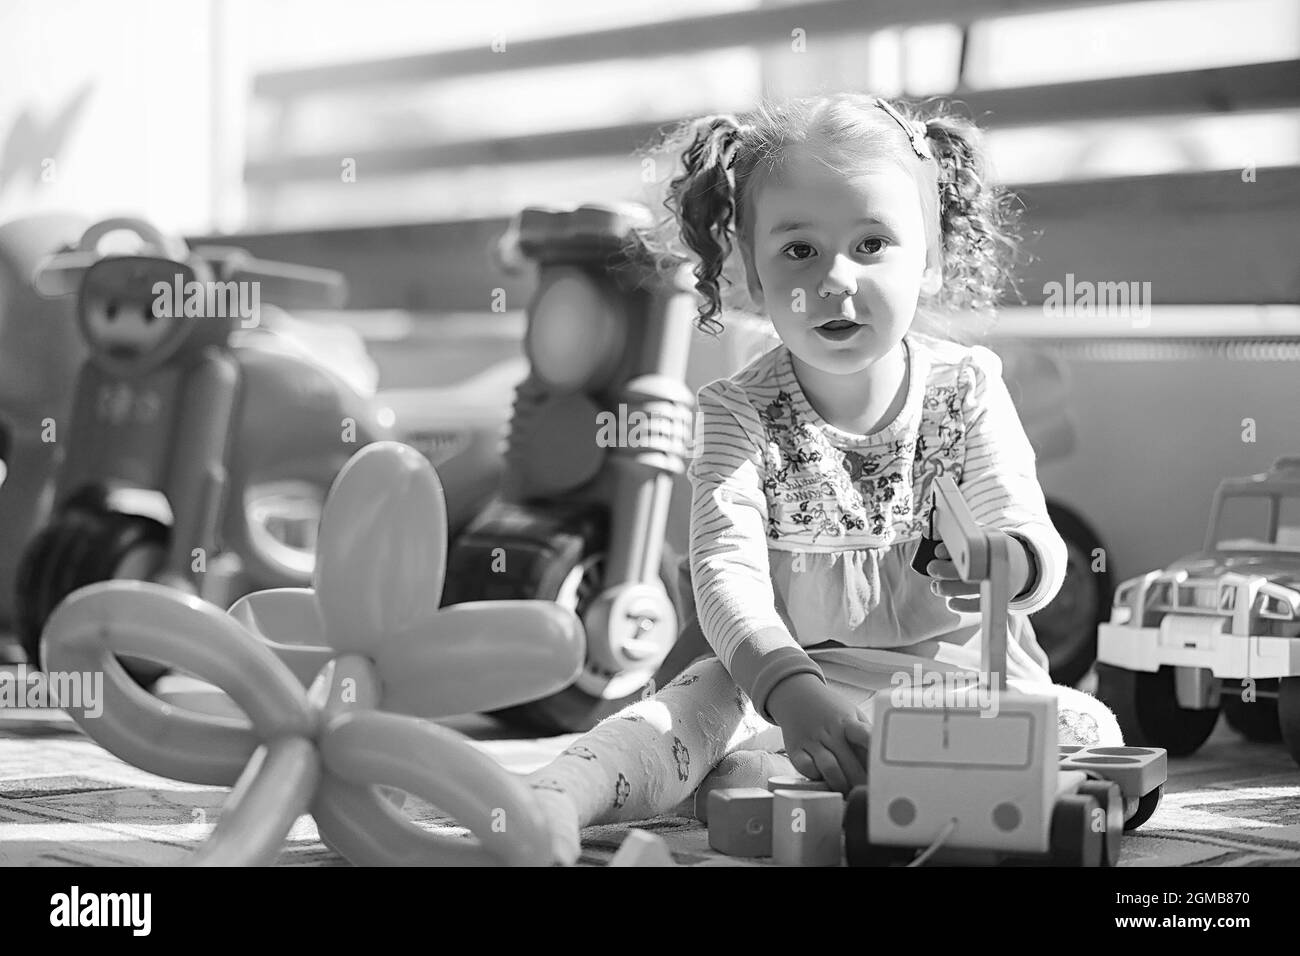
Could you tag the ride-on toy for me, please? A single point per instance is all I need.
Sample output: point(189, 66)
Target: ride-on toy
point(991, 786)
point(191, 458)
point(600, 428)
point(1217, 629)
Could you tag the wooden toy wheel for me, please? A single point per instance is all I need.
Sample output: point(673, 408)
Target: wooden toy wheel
point(858, 847)
point(81, 547)
point(1145, 808)
point(1148, 711)
point(1074, 842)
point(1288, 712)
point(1256, 720)
point(1111, 801)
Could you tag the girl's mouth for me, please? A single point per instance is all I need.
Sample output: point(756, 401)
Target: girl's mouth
point(838, 329)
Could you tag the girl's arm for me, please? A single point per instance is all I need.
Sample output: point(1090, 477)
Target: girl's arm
point(728, 548)
point(1000, 481)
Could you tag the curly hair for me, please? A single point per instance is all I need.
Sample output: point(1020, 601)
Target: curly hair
point(970, 222)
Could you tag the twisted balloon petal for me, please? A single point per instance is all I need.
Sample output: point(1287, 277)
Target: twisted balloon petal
point(479, 657)
point(359, 827)
point(165, 625)
point(276, 788)
point(381, 554)
point(439, 766)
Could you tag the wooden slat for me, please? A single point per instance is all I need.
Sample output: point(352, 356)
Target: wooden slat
point(1197, 237)
point(1227, 89)
point(766, 25)
point(423, 267)
point(1255, 86)
point(537, 147)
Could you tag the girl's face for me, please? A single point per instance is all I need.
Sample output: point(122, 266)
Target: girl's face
point(850, 251)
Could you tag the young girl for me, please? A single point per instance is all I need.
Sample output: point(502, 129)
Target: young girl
point(858, 226)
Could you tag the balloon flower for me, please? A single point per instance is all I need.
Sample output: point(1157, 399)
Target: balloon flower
point(338, 683)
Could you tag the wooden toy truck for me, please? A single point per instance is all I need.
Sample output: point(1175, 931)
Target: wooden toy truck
point(989, 787)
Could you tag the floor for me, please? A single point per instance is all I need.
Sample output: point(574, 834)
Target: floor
point(66, 801)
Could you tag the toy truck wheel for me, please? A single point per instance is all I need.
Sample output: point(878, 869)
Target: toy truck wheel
point(858, 848)
point(80, 548)
point(1288, 713)
point(1146, 807)
point(1111, 802)
point(1146, 706)
point(1067, 628)
point(1074, 842)
point(1257, 719)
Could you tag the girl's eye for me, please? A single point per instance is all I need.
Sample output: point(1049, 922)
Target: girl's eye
point(799, 251)
point(874, 246)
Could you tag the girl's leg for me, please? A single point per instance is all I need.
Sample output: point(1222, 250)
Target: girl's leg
point(647, 758)
point(754, 760)
point(752, 766)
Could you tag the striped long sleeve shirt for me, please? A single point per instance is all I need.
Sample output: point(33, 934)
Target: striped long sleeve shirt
point(802, 533)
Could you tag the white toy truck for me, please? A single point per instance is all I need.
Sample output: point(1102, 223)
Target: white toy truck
point(1219, 629)
point(988, 786)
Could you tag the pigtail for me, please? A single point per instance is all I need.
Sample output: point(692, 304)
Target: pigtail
point(977, 220)
point(701, 204)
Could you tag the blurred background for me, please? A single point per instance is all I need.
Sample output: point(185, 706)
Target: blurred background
point(235, 115)
point(1151, 142)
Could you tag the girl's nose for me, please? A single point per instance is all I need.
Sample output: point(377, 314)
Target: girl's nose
point(839, 280)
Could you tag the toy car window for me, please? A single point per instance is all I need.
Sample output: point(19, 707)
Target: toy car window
point(1191, 596)
point(1242, 522)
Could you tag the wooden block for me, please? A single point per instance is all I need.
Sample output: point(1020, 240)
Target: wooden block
point(740, 821)
point(807, 828)
point(642, 849)
point(786, 782)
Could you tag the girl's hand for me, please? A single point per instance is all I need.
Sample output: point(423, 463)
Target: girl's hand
point(825, 736)
point(965, 595)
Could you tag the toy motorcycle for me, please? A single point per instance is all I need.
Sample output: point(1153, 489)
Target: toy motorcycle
point(599, 430)
point(193, 456)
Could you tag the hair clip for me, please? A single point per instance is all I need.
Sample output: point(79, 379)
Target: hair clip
point(915, 131)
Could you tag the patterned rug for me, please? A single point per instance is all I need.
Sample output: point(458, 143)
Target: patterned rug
point(64, 801)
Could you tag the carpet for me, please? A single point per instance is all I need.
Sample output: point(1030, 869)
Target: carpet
point(64, 801)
